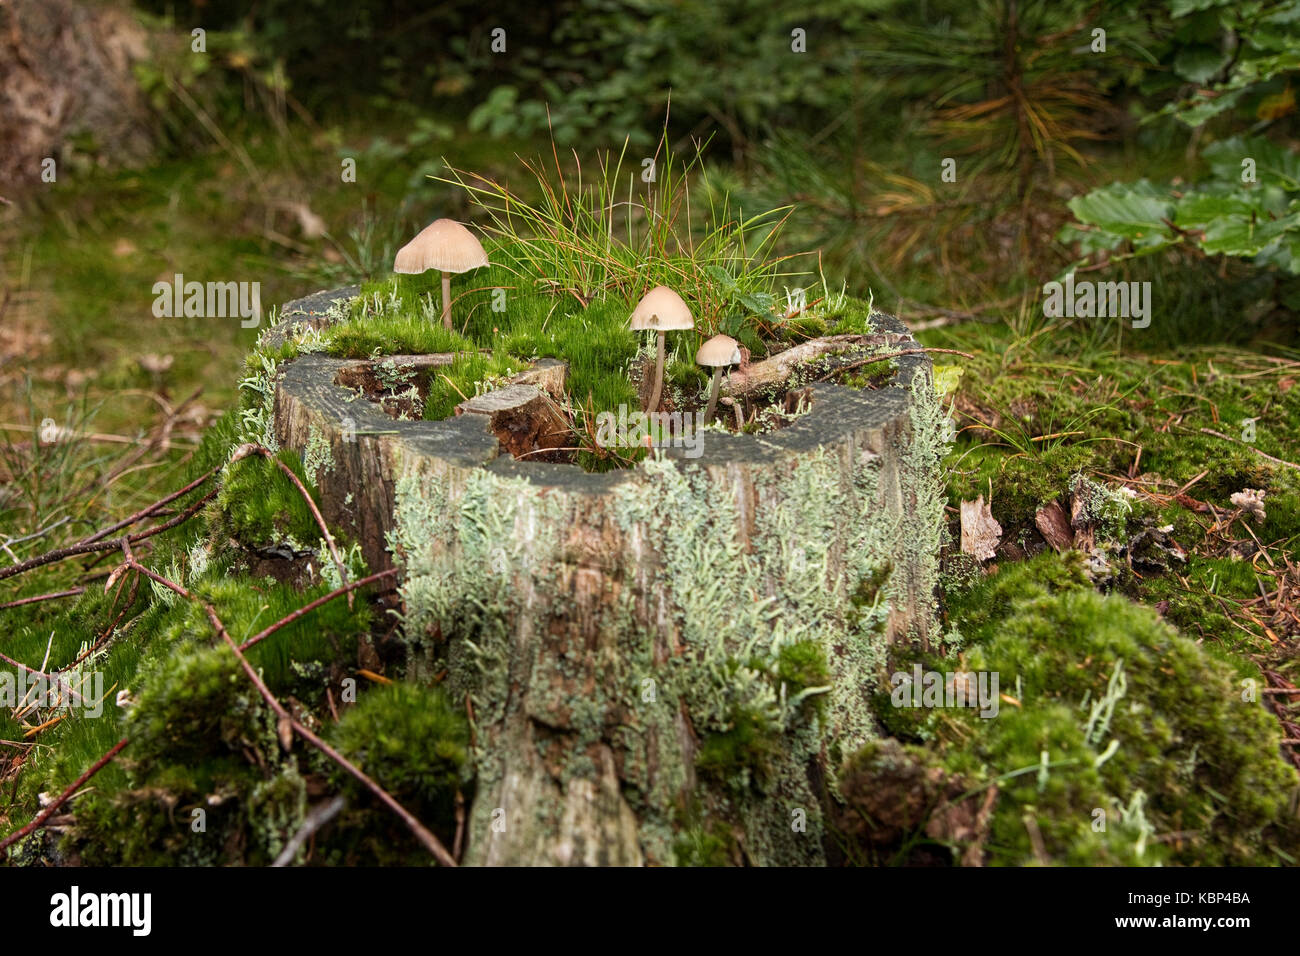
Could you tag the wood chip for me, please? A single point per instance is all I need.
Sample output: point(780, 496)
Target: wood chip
point(979, 532)
point(1054, 526)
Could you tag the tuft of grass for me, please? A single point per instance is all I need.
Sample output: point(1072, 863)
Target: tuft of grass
point(586, 236)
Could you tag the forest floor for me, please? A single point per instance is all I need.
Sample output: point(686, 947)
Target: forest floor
point(1165, 430)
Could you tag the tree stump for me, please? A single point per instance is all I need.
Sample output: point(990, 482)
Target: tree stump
point(623, 640)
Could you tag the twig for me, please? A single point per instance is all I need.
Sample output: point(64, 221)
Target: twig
point(147, 512)
point(100, 437)
point(872, 359)
point(37, 534)
point(453, 384)
point(1211, 431)
point(54, 679)
point(42, 597)
point(323, 599)
point(63, 798)
point(422, 834)
point(90, 547)
point(315, 820)
point(459, 842)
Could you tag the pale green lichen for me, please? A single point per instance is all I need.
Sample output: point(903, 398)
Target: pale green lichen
point(257, 419)
point(835, 548)
point(317, 458)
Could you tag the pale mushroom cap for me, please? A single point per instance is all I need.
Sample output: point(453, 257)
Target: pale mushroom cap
point(663, 310)
point(719, 351)
point(444, 245)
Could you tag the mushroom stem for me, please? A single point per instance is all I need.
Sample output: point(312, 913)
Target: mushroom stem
point(446, 300)
point(713, 394)
point(659, 377)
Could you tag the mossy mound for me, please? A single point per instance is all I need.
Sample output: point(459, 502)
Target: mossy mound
point(1117, 739)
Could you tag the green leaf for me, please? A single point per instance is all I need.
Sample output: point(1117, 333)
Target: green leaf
point(760, 303)
point(1274, 164)
point(1132, 211)
point(1199, 63)
point(1247, 235)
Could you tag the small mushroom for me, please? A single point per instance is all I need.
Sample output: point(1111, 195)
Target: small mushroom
point(717, 353)
point(662, 310)
point(444, 245)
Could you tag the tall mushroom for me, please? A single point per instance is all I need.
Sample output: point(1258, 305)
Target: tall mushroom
point(717, 353)
point(444, 245)
point(662, 310)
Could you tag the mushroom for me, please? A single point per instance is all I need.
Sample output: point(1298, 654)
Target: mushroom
point(444, 245)
point(717, 353)
point(662, 310)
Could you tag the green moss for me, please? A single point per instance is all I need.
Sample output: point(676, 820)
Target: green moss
point(200, 701)
point(413, 742)
point(740, 756)
point(259, 506)
point(700, 845)
point(852, 317)
point(802, 665)
point(1181, 750)
point(465, 377)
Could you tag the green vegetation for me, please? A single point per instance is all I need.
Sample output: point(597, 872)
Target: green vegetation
point(1125, 161)
point(1108, 714)
point(414, 742)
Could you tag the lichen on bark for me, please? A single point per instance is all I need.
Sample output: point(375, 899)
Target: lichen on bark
point(618, 640)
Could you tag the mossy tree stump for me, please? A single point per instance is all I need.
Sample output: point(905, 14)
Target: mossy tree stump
point(656, 659)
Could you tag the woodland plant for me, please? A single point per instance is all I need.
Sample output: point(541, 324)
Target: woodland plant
point(617, 233)
point(565, 271)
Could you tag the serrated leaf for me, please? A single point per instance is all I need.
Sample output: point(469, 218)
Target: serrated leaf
point(1245, 235)
point(760, 303)
point(722, 278)
point(1181, 8)
point(1284, 254)
point(1132, 211)
point(1274, 164)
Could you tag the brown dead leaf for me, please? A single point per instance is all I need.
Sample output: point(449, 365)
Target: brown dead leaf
point(1053, 525)
point(979, 532)
point(284, 729)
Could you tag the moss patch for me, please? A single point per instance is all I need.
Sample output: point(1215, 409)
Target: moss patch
point(1114, 720)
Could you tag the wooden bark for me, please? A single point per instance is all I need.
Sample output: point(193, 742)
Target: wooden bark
point(66, 67)
point(524, 419)
point(775, 372)
point(588, 619)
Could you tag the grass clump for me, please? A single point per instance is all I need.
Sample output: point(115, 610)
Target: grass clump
point(467, 376)
point(701, 845)
point(587, 236)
